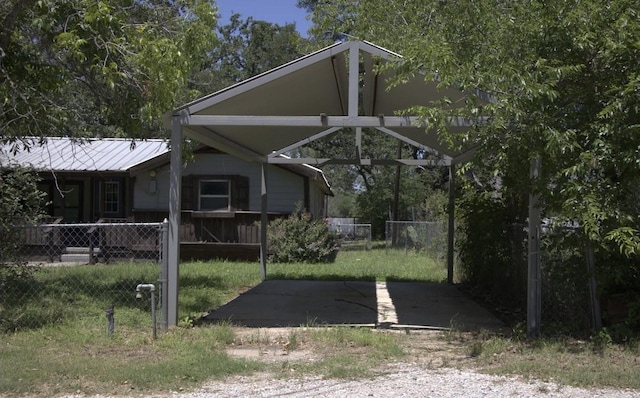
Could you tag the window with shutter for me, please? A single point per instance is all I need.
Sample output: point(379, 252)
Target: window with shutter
point(214, 195)
point(211, 193)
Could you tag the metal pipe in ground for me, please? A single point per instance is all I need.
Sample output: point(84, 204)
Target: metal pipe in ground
point(151, 288)
point(111, 323)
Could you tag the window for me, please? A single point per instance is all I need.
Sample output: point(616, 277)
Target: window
point(112, 197)
point(214, 195)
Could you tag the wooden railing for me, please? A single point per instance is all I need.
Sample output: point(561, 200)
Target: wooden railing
point(48, 239)
point(124, 239)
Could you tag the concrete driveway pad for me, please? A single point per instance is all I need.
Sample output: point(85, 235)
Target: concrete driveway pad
point(291, 303)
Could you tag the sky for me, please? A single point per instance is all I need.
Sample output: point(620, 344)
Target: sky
point(274, 11)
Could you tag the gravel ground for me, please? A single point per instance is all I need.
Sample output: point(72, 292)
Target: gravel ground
point(413, 378)
point(400, 380)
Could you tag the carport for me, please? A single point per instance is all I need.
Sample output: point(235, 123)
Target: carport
point(309, 98)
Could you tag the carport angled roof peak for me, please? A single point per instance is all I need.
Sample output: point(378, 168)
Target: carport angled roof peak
point(333, 51)
point(314, 96)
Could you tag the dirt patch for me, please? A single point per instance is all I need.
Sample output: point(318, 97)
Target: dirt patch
point(436, 349)
point(270, 354)
point(271, 345)
point(433, 349)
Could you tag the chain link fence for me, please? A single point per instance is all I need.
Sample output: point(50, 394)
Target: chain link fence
point(102, 273)
point(352, 236)
point(568, 297)
point(427, 237)
point(568, 301)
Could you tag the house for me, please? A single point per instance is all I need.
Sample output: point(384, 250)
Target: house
point(109, 179)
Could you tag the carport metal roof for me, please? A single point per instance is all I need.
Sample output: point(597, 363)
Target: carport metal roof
point(315, 96)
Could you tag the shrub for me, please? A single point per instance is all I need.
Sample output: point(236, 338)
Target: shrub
point(299, 238)
point(20, 204)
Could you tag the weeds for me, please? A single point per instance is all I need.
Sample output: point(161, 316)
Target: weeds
point(71, 351)
point(385, 345)
point(453, 333)
point(601, 340)
point(292, 342)
point(566, 361)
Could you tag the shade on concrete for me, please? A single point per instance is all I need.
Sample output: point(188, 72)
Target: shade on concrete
point(285, 303)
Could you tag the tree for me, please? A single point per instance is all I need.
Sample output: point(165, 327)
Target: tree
point(566, 83)
point(247, 48)
point(330, 18)
point(21, 203)
point(85, 68)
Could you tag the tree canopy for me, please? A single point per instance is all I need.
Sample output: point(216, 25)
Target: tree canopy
point(566, 84)
point(245, 49)
point(91, 68)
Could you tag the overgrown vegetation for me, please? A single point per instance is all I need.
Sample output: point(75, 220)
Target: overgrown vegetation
point(20, 204)
point(491, 246)
point(300, 238)
point(562, 360)
point(59, 327)
point(492, 249)
point(345, 362)
point(74, 357)
point(556, 88)
point(68, 351)
point(70, 294)
point(78, 294)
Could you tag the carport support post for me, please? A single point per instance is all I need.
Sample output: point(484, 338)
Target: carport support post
point(264, 221)
point(451, 228)
point(533, 281)
point(173, 249)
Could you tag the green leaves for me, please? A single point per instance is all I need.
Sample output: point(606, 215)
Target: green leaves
point(565, 78)
point(626, 239)
point(299, 238)
point(247, 48)
point(109, 67)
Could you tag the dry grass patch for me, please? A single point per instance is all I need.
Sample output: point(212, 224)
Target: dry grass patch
point(564, 361)
point(338, 352)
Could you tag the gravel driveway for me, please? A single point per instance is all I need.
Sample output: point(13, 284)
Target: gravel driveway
point(400, 380)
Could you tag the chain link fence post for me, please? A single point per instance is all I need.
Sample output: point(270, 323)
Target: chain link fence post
point(164, 274)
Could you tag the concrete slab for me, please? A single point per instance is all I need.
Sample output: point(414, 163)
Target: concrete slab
point(289, 303)
point(439, 306)
point(280, 303)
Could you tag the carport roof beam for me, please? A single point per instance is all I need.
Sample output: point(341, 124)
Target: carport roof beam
point(307, 140)
point(315, 121)
point(363, 161)
point(414, 143)
point(209, 137)
point(300, 121)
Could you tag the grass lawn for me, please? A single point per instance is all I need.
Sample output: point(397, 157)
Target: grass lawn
point(378, 264)
point(54, 340)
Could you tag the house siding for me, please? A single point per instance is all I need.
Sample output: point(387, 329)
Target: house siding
point(286, 189)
